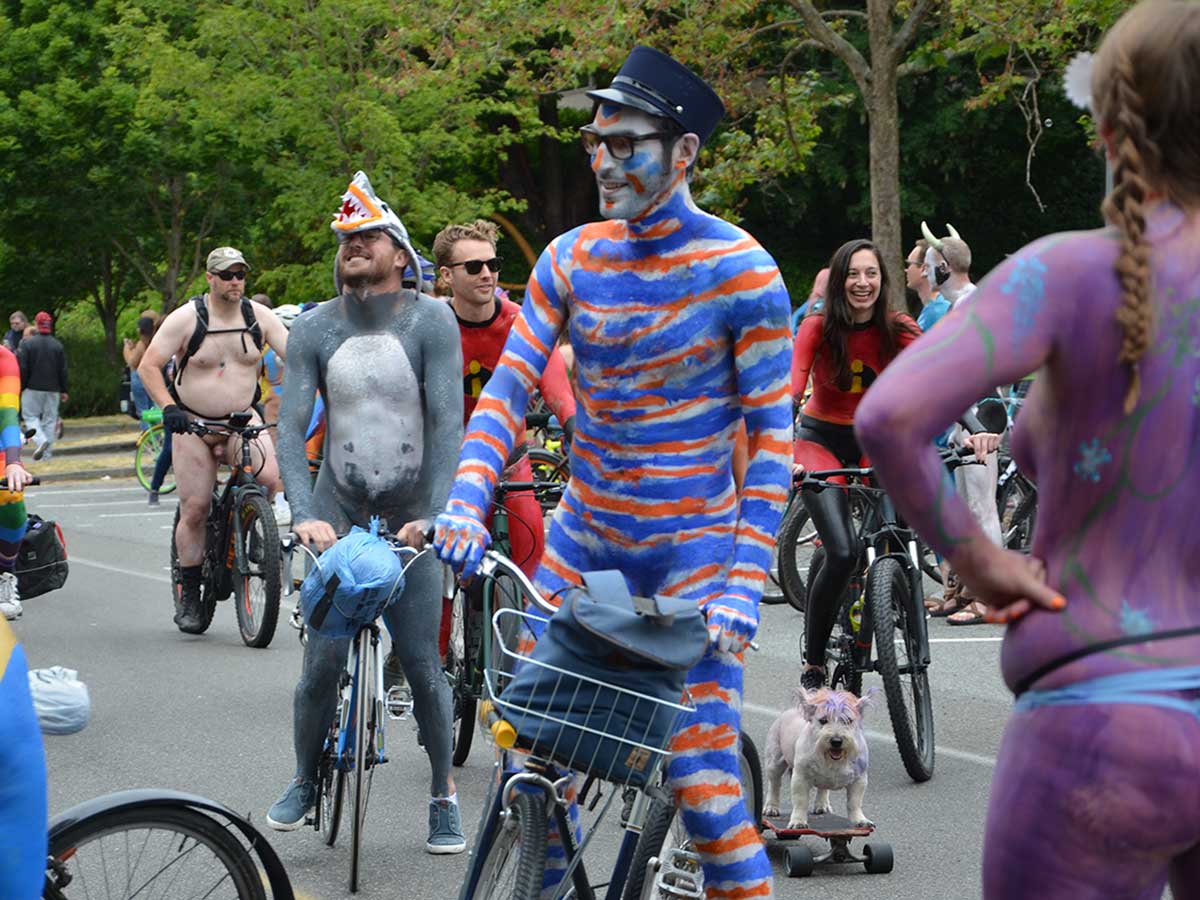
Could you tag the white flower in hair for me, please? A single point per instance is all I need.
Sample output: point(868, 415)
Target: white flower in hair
point(1077, 80)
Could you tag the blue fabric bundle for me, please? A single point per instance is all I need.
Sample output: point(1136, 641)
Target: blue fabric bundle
point(353, 583)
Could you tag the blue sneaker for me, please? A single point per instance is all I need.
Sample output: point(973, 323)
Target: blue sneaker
point(445, 828)
point(290, 810)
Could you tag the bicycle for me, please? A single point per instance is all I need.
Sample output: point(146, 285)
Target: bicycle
point(242, 551)
point(882, 608)
point(356, 742)
point(510, 853)
point(469, 655)
point(158, 843)
point(146, 451)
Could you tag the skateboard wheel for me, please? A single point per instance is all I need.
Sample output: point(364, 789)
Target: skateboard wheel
point(799, 861)
point(877, 858)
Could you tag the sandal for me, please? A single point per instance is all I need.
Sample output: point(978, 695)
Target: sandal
point(974, 613)
point(945, 606)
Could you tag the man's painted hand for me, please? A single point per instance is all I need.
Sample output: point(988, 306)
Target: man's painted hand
point(732, 623)
point(460, 540)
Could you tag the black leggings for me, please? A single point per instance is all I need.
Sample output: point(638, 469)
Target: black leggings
point(829, 511)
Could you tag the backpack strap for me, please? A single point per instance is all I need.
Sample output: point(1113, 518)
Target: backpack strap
point(251, 321)
point(199, 333)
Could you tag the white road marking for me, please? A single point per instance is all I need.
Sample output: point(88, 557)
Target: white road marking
point(42, 491)
point(977, 758)
point(120, 570)
point(974, 640)
point(141, 502)
point(156, 512)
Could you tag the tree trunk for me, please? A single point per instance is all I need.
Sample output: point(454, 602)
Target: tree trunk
point(883, 114)
point(551, 169)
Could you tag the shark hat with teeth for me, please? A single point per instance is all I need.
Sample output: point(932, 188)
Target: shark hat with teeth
point(362, 210)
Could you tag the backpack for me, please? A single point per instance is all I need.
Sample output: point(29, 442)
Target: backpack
point(42, 558)
point(202, 330)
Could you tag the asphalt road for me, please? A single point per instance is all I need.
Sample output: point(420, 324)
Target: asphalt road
point(208, 715)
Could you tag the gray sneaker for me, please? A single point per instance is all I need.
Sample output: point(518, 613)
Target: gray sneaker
point(10, 597)
point(290, 810)
point(445, 828)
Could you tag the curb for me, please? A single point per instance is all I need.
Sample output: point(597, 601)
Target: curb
point(88, 475)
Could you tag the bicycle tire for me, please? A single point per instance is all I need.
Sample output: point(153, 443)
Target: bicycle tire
point(364, 744)
point(797, 541)
point(889, 595)
point(331, 789)
point(773, 594)
point(663, 830)
point(208, 605)
point(145, 458)
point(187, 834)
point(260, 566)
point(501, 593)
point(1017, 505)
point(524, 833)
point(464, 647)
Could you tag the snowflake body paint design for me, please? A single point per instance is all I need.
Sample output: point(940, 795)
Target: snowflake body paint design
point(1028, 283)
point(1135, 621)
point(1091, 457)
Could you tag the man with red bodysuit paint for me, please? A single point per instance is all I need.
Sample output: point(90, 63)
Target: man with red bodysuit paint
point(468, 266)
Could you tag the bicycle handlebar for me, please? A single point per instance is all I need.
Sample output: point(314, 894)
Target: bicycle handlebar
point(818, 479)
point(32, 481)
point(225, 429)
point(538, 420)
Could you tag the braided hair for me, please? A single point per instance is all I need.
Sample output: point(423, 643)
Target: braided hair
point(1146, 96)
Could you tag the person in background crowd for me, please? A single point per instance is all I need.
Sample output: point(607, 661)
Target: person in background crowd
point(17, 323)
point(816, 297)
point(12, 501)
point(43, 364)
point(916, 279)
point(132, 352)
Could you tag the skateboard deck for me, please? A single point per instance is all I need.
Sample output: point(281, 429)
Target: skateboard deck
point(825, 825)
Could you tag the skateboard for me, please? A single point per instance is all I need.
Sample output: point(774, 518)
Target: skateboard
point(838, 831)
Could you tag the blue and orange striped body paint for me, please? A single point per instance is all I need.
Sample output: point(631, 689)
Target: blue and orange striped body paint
point(12, 503)
point(680, 326)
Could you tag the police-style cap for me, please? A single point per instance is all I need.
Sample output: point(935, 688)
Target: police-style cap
point(654, 83)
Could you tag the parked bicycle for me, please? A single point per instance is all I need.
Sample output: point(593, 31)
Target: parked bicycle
point(165, 844)
point(881, 610)
point(149, 446)
point(242, 552)
point(357, 741)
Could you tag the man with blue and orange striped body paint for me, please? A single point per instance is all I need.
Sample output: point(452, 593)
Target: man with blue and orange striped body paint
point(680, 326)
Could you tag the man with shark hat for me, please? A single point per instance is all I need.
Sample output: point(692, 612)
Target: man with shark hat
point(387, 363)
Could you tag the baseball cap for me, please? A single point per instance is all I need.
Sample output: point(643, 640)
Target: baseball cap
point(44, 321)
point(224, 258)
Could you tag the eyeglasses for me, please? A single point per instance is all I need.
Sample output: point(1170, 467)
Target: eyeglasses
point(619, 145)
point(911, 262)
point(367, 237)
point(475, 266)
point(230, 276)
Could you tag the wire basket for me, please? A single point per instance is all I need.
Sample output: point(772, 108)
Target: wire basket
point(579, 722)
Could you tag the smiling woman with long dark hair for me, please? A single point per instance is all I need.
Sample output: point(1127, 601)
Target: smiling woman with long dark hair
point(844, 345)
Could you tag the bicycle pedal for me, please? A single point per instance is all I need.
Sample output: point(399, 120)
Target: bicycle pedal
point(677, 876)
point(399, 702)
point(297, 619)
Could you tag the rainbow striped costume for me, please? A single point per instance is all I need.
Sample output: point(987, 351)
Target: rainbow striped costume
point(12, 503)
point(679, 323)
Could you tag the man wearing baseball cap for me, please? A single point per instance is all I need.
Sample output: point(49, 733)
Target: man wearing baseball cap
point(216, 339)
point(43, 363)
point(680, 326)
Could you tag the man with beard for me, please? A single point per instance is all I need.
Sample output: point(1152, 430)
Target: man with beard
point(217, 341)
point(680, 326)
point(387, 363)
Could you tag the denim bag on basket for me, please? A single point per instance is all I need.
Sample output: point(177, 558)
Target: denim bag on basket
point(637, 648)
point(353, 582)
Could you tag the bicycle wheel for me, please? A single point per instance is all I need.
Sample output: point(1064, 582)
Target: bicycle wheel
point(773, 594)
point(366, 725)
point(145, 457)
point(548, 466)
point(797, 541)
point(663, 831)
point(256, 584)
point(460, 661)
point(514, 860)
point(1017, 505)
point(503, 594)
point(905, 677)
point(331, 789)
point(152, 851)
point(208, 603)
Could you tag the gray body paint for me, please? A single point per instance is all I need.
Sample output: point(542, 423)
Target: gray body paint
point(390, 370)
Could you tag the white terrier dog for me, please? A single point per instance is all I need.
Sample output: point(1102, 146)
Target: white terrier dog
point(822, 743)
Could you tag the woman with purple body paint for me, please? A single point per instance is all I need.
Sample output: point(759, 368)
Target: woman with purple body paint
point(1097, 789)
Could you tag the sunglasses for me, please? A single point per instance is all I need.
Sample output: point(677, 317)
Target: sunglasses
point(620, 146)
point(475, 266)
point(230, 276)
